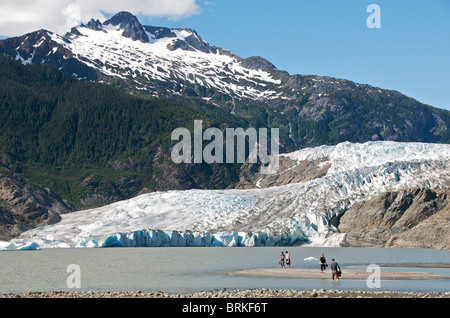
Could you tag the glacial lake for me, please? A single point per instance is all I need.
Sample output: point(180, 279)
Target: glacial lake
point(183, 270)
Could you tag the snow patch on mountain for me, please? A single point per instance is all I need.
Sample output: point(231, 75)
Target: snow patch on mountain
point(160, 59)
point(300, 213)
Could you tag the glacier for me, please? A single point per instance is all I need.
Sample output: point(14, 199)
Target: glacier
point(293, 214)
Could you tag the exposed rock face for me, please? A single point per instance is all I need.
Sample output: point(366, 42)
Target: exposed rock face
point(192, 176)
point(433, 232)
point(24, 205)
point(289, 171)
point(412, 218)
point(257, 62)
point(130, 24)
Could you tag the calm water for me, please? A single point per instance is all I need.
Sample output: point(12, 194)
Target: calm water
point(193, 269)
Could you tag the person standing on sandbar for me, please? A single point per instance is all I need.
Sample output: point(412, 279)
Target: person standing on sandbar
point(323, 263)
point(281, 261)
point(288, 260)
point(334, 270)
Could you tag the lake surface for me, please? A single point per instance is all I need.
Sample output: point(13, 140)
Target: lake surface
point(182, 270)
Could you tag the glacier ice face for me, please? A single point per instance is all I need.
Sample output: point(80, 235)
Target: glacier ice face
point(293, 214)
point(349, 156)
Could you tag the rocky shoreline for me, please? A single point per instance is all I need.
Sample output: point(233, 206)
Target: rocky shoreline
point(224, 293)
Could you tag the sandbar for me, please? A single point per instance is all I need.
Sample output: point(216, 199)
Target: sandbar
point(346, 274)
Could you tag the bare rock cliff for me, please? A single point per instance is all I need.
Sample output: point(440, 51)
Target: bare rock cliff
point(416, 218)
point(25, 205)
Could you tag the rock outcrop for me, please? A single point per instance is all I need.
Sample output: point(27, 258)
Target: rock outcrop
point(289, 171)
point(25, 205)
point(418, 218)
point(130, 25)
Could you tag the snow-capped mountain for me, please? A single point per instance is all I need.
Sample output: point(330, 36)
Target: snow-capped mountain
point(297, 213)
point(179, 64)
point(146, 56)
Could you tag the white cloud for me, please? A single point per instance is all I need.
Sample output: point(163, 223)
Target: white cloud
point(20, 17)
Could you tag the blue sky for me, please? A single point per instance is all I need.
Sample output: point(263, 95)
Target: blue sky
point(410, 53)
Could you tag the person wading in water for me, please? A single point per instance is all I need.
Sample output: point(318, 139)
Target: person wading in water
point(335, 270)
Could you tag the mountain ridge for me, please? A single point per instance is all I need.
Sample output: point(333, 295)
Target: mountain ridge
point(178, 64)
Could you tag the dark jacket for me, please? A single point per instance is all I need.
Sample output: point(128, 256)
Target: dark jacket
point(335, 266)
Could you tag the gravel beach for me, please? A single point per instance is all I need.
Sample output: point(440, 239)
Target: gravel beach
point(264, 292)
point(224, 293)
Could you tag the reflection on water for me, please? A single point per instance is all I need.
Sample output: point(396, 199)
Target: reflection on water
point(192, 269)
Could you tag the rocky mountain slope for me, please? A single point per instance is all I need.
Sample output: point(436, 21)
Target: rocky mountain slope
point(93, 144)
point(408, 218)
point(25, 205)
point(179, 64)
